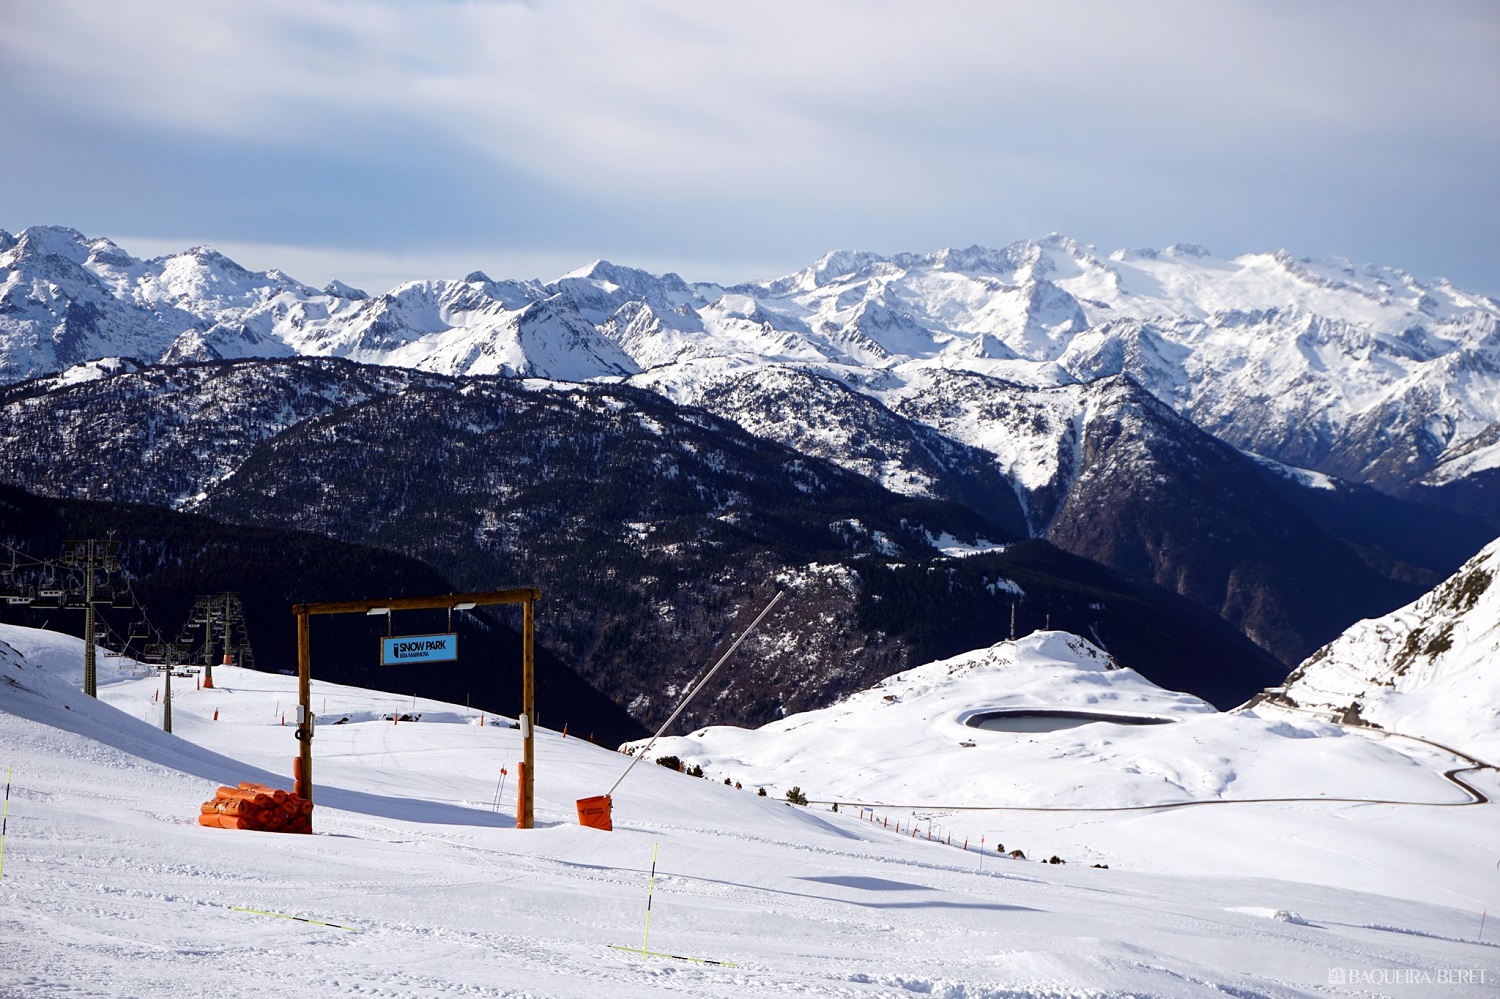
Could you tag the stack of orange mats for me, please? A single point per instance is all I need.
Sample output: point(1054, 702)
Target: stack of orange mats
point(255, 806)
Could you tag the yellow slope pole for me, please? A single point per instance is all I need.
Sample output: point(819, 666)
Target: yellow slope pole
point(5, 821)
point(646, 940)
point(650, 893)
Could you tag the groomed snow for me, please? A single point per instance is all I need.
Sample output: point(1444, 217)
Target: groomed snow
point(110, 888)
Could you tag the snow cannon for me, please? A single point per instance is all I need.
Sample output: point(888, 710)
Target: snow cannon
point(594, 813)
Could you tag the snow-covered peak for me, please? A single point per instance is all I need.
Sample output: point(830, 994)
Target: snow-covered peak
point(204, 277)
point(1430, 669)
point(338, 289)
point(51, 241)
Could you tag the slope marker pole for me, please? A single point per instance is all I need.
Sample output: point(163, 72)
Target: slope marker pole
point(5, 821)
point(650, 894)
point(300, 919)
point(499, 790)
point(646, 939)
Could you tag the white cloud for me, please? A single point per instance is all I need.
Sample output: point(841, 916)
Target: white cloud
point(817, 115)
point(823, 98)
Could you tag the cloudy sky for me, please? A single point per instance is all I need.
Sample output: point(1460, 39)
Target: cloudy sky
point(379, 140)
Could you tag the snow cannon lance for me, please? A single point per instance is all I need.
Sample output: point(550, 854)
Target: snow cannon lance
point(595, 812)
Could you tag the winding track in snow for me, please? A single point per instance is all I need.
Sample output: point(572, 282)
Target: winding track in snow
point(1475, 796)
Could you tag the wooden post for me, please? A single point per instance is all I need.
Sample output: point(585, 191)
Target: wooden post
point(304, 698)
point(451, 601)
point(528, 706)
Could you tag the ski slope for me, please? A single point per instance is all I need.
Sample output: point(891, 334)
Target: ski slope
point(110, 888)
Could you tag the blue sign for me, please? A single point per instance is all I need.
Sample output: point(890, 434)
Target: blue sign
point(399, 649)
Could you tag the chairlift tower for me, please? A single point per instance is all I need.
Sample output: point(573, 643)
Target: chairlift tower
point(166, 656)
point(91, 555)
point(221, 616)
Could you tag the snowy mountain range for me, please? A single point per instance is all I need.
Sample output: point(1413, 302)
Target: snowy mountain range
point(1103, 403)
point(1361, 372)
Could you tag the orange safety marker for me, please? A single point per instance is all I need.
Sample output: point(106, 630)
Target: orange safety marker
point(216, 714)
point(521, 795)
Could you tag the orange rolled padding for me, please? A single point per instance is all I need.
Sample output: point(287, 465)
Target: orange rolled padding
point(255, 806)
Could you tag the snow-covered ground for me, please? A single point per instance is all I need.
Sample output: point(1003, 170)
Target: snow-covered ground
point(109, 886)
point(1431, 668)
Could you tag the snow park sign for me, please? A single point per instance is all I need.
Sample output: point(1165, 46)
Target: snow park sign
point(399, 649)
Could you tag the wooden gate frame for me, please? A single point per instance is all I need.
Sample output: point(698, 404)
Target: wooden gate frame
point(526, 596)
